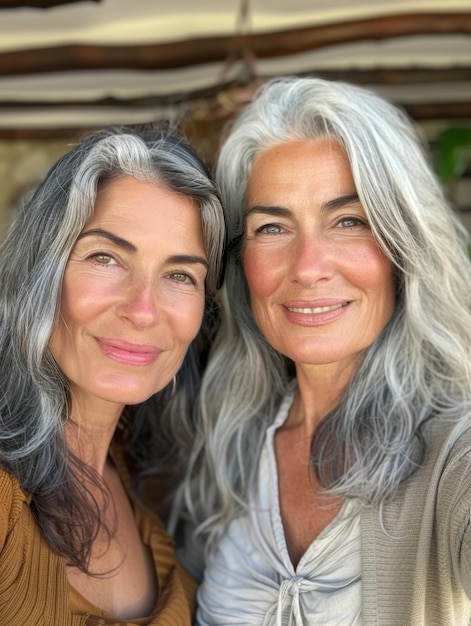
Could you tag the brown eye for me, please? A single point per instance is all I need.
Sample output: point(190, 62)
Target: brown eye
point(181, 277)
point(103, 259)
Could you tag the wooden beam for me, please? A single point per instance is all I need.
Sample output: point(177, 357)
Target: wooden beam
point(37, 4)
point(387, 77)
point(440, 110)
point(42, 134)
point(213, 49)
point(418, 112)
point(396, 75)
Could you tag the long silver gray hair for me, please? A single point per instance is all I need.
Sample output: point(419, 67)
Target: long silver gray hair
point(34, 396)
point(420, 365)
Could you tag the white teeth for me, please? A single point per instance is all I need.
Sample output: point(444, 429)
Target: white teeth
point(317, 309)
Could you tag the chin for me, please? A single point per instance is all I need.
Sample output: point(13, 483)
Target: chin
point(130, 396)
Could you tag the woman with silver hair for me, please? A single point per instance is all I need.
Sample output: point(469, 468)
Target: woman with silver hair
point(332, 469)
point(105, 274)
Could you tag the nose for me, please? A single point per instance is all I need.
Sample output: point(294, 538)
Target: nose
point(140, 304)
point(311, 259)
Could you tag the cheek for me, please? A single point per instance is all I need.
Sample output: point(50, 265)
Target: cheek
point(379, 280)
point(63, 329)
point(188, 323)
point(56, 339)
point(62, 346)
point(75, 314)
point(60, 342)
point(262, 275)
point(84, 295)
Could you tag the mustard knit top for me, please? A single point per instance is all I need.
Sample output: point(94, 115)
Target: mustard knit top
point(34, 588)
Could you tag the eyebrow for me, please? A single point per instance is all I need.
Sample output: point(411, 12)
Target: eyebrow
point(330, 205)
point(100, 232)
point(336, 203)
point(127, 245)
point(188, 258)
point(268, 210)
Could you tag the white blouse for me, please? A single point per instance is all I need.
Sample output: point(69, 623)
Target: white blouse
point(250, 579)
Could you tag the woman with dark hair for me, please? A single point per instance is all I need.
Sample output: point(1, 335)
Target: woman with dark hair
point(332, 466)
point(105, 276)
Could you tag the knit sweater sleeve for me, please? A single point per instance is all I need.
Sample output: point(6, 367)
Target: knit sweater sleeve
point(455, 510)
point(11, 501)
point(465, 558)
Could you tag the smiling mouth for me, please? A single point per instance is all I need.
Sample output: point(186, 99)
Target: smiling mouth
point(316, 309)
point(129, 353)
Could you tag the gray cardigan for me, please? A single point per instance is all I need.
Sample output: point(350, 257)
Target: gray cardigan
point(416, 554)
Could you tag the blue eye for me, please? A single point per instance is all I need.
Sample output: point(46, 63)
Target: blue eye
point(270, 229)
point(351, 222)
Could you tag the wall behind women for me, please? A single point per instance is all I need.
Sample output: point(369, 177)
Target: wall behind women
point(22, 165)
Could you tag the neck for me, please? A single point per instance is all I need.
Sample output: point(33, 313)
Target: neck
point(89, 434)
point(319, 391)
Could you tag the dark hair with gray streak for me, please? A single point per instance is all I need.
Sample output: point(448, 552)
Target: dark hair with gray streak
point(420, 365)
point(34, 395)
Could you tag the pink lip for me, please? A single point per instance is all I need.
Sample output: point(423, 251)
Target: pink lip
point(129, 353)
point(315, 312)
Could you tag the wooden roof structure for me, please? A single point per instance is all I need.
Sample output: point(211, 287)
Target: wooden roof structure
point(75, 65)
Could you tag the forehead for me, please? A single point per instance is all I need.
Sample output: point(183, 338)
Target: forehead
point(293, 168)
point(295, 150)
point(146, 213)
point(127, 196)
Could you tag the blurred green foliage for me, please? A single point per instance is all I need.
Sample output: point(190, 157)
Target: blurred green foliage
point(453, 156)
point(453, 153)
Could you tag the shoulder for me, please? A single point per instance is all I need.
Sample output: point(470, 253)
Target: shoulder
point(448, 444)
point(447, 473)
point(426, 525)
point(453, 503)
point(441, 484)
point(448, 454)
point(12, 498)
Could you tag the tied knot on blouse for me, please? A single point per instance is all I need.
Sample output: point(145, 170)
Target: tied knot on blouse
point(287, 608)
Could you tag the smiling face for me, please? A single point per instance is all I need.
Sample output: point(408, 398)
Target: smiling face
point(321, 289)
point(133, 294)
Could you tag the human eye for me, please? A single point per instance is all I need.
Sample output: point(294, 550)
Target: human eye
point(269, 229)
point(195, 279)
point(103, 259)
point(352, 221)
point(184, 278)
